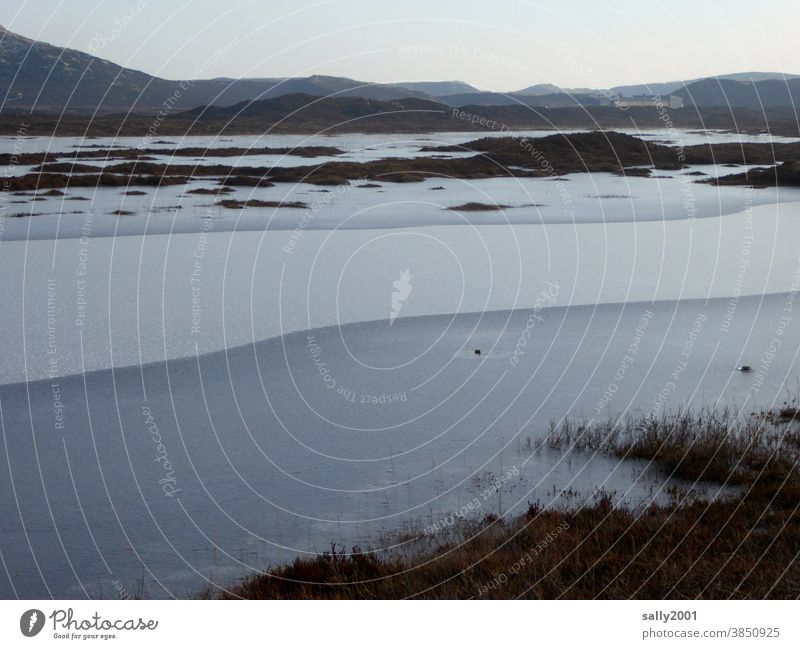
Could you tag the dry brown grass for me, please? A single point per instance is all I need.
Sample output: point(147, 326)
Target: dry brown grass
point(742, 546)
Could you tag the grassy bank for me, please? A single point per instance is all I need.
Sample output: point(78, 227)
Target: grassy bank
point(744, 545)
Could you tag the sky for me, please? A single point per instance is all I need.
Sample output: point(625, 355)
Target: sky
point(500, 45)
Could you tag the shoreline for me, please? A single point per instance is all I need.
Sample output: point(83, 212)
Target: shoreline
point(741, 545)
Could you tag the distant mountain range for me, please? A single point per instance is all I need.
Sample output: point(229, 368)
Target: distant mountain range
point(38, 76)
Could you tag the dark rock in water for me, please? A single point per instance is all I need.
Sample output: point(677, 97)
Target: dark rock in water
point(478, 207)
point(642, 172)
point(213, 192)
point(39, 181)
point(232, 204)
point(786, 174)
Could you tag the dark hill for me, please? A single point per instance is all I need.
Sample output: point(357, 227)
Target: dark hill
point(37, 75)
point(323, 112)
point(769, 93)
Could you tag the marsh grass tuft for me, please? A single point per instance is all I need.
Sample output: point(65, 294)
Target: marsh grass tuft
point(706, 445)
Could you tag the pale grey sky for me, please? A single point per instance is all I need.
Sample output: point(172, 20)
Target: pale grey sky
point(500, 45)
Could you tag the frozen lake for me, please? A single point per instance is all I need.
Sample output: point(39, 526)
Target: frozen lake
point(202, 469)
point(78, 305)
point(228, 391)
